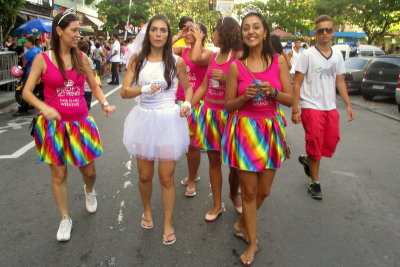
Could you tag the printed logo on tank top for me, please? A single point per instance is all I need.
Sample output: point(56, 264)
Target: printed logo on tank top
point(191, 77)
point(157, 95)
point(68, 95)
point(220, 91)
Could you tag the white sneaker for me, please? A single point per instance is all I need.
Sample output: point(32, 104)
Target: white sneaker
point(91, 201)
point(64, 230)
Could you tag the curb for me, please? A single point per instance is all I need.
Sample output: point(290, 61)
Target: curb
point(390, 116)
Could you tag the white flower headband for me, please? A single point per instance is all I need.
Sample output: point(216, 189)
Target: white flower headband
point(69, 11)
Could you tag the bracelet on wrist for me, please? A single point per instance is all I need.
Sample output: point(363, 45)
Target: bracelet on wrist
point(274, 95)
point(105, 104)
point(295, 112)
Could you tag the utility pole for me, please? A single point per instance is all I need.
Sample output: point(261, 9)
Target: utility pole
point(127, 21)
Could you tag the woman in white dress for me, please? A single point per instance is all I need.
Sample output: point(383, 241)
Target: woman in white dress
point(156, 128)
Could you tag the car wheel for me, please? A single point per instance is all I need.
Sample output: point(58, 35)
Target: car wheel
point(367, 96)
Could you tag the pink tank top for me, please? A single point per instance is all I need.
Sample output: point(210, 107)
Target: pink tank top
point(195, 74)
point(259, 108)
point(216, 89)
point(67, 97)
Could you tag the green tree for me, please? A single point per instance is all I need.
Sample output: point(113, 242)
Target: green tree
point(196, 9)
point(8, 15)
point(290, 16)
point(375, 17)
point(116, 13)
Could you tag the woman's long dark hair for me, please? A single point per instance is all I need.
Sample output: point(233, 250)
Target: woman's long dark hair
point(168, 58)
point(266, 52)
point(76, 60)
point(229, 34)
point(276, 44)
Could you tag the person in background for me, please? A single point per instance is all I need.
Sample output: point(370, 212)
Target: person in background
point(294, 57)
point(288, 47)
point(27, 65)
point(38, 44)
point(7, 42)
point(178, 40)
point(115, 59)
point(278, 49)
point(98, 58)
point(83, 46)
point(124, 50)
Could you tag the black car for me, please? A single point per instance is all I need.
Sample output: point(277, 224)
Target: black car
point(381, 77)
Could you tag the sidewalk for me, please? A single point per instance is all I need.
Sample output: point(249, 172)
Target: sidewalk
point(6, 98)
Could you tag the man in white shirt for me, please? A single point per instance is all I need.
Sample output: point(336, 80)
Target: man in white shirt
point(319, 71)
point(294, 55)
point(115, 59)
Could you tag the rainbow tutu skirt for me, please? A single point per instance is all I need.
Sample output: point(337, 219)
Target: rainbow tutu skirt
point(253, 144)
point(67, 142)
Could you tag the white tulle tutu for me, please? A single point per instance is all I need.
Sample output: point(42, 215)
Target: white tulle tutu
point(156, 133)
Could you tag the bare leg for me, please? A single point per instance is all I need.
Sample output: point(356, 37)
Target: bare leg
point(89, 175)
point(193, 161)
point(146, 172)
point(248, 183)
point(59, 186)
point(166, 171)
point(314, 168)
point(234, 187)
point(214, 159)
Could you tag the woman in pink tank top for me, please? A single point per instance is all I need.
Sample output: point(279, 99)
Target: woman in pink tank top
point(212, 117)
point(253, 138)
point(196, 59)
point(64, 132)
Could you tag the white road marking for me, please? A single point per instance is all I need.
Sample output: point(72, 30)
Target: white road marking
point(30, 145)
point(127, 183)
point(348, 174)
point(19, 152)
point(120, 214)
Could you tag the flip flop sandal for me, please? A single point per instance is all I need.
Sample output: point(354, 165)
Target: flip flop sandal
point(185, 181)
point(166, 240)
point(148, 225)
point(242, 236)
point(249, 259)
point(190, 192)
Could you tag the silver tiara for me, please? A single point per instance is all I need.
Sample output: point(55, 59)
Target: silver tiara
point(69, 11)
point(250, 9)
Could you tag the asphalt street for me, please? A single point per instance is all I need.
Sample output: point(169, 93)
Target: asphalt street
point(356, 224)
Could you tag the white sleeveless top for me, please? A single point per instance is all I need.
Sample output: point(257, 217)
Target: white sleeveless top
point(293, 60)
point(153, 73)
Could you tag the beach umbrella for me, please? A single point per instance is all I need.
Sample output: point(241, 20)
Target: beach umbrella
point(34, 26)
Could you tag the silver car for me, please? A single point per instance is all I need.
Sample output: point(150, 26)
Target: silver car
point(355, 68)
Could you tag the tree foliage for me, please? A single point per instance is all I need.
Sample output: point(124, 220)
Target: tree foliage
point(116, 13)
point(291, 16)
point(8, 15)
point(196, 9)
point(375, 17)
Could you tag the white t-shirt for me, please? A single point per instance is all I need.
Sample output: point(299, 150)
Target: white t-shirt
point(92, 48)
point(318, 90)
point(116, 47)
point(294, 59)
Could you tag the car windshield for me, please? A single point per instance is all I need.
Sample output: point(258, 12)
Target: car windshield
point(385, 63)
point(355, 63)
point(378, 53)
point(367, 53)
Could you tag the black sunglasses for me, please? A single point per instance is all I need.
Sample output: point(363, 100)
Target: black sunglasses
point(327, 30)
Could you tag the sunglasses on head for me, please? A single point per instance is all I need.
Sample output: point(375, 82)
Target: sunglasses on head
point(327, 30)
point(69, 11)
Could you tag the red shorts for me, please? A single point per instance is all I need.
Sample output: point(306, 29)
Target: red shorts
point(322, 132)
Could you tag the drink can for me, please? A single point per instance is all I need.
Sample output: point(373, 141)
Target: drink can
point(214, 83)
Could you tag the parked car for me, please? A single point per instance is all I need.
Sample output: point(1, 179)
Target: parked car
point(397, 94)
point(355, 67)
point(356, 50)
point(381, 77)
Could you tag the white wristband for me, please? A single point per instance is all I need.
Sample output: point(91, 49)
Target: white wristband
point(146, 89)
point(187, 104)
